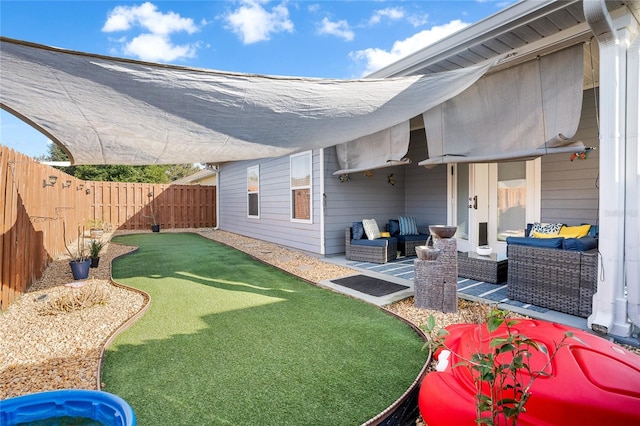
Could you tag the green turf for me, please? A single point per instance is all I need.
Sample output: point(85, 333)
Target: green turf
point(228, 340)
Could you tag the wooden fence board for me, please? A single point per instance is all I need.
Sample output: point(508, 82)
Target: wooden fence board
point(31, 231)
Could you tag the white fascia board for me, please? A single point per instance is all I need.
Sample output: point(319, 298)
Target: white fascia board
point(486, 29)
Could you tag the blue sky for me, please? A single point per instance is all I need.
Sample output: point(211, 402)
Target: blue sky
point(316, 38)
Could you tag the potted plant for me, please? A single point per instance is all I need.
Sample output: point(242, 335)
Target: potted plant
point(94, 252)
point(79, 262)
point(156, 226)
point(502, 372)
point(96, 228)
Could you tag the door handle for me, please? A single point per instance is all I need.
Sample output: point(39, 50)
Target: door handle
point(475, 202)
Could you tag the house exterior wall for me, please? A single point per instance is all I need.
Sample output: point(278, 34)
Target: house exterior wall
point(418, 192)
point(274, 224)
point(210, 180)
point(569, 189)
point(569, 193)
point(425, 189)
point(360, 198)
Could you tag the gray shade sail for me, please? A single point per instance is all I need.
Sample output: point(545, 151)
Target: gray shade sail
point(106, 110)
point(382, 149)
point(522, 112)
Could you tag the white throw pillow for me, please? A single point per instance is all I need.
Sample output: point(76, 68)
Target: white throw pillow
point(371, 228)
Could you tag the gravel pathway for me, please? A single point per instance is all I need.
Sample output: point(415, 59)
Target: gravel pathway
point(46, 345)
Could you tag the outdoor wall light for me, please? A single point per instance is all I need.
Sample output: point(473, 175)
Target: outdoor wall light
point(66, 184)
point(52, 181)
point(79, 187)
point(88, 191)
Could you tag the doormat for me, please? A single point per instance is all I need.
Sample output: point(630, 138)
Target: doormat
point(369, 285)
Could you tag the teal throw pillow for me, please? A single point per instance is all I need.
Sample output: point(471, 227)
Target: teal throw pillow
point(408, 225)
point(357, 229)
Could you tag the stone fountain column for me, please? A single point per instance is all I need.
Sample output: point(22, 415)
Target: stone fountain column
point(435, 282)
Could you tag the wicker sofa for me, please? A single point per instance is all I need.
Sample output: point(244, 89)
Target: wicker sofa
point(406, 243)
point(564, 280)
point(380, 250)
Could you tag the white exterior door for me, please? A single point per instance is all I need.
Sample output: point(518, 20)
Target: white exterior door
point(492, 201)
point(469, 209)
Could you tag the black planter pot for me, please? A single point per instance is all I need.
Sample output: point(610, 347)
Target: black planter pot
point(94, 262)
point(80, 270)
point(155, 228)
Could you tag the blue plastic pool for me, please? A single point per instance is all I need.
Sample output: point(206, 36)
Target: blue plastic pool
point(96, 407)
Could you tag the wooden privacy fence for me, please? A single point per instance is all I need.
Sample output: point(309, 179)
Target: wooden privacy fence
point(35, 201)
point(125, 205)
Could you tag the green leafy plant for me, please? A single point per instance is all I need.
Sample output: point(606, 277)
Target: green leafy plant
point(502, 374)
point(95, 247)
point(95, 224)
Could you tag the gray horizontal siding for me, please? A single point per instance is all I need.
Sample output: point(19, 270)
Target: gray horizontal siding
point(274, 224)
point(570, 188)
point(426, 189)
point(418, 192)
point(569, 193)
point(360, 198)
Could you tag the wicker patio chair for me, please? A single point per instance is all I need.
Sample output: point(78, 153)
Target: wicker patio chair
point(386, 250)
point(562, 280)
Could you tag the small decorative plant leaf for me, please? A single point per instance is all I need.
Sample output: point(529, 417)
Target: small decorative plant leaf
point(431, 323)
point(496, 341)
point(494, 323)
point(443, 333)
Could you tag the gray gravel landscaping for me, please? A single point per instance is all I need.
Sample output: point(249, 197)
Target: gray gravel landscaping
point(46, 345)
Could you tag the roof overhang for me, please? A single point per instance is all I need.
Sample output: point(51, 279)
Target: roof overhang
point(520, 32)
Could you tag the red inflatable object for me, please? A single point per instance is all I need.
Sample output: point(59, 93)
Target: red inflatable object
point(591, 381)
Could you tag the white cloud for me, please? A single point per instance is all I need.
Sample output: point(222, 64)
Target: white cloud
point(418, 20)
point(253, 23)
point(391, 13)
point(158, 48)
point(147, 16)
point(338, 29)
point(375, 58)
point(154, 43)
point(397, 14)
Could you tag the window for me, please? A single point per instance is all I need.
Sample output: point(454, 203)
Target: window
point(301, 187)
point(512, 199)
point(253, 191)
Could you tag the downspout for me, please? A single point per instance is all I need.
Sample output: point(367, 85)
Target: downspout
point(632, 212)
point(609, 303)
point(215, 228)
point(323, 249)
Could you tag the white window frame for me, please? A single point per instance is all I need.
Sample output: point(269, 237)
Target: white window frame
point(292, 187)
point(251, 170)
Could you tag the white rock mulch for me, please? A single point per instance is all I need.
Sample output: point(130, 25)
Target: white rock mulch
point(42, 348)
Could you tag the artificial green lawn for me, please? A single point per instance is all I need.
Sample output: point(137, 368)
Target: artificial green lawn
point(229, 340)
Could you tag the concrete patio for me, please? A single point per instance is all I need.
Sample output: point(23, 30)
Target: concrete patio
point(401, 271)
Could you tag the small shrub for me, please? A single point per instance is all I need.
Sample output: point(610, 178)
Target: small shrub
point(502, 390)
point(95, 247)
point(75, 300)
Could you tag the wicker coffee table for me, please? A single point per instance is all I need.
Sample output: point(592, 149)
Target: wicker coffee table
point(491, 269)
